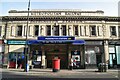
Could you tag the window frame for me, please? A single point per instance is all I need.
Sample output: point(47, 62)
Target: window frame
point(93, 31)
point(48, 33)
point(36, 30)
point(113, 31)
point(19, 31)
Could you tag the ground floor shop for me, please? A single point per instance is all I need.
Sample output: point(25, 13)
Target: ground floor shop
point(46, 53)
point(1, 52)
point(85, 53)
point(64, 48)
point(114, 53)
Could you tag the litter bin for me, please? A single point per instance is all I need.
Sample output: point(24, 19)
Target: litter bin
point(102, 67)
point(56, 65)
point(105, 67)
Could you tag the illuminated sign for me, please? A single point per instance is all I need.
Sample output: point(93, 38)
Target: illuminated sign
point(56, 42)
point(56, 38)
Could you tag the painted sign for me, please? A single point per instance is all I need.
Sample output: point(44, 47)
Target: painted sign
point(15, 42)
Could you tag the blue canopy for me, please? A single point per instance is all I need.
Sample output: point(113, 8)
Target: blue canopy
point(75, 42)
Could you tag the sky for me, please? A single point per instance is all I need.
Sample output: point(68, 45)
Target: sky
point(110, 7)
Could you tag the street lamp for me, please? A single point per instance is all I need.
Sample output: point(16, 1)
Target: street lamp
point(26, 45)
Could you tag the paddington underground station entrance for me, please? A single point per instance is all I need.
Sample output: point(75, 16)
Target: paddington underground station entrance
point(45, 49)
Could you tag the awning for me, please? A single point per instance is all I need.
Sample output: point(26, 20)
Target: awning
point(74, 42)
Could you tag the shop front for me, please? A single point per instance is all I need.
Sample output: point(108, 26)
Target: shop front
point(94, 53)
point(114, 53)
point(63, 47)
point(1, 52)
point(16, 53)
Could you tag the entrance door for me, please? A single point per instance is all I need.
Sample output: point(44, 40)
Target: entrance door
point(112, 61)
point(98, 59)
point(62, 57)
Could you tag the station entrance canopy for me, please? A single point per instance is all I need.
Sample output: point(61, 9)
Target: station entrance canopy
point(56, 40)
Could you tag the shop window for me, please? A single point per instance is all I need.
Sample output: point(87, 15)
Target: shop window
point(0, 30)
point(19, 30)
point(75, 55)
point(37, 55)
point(90, 57)
point(48, 30)
point(56, 30)
point(36, 58)
point(12, 57)
point(64, 30)
point(118, 54)
point(36, 32)
point(113, 30)
point(93, 30)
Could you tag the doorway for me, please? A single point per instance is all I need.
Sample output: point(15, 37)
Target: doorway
point(98, 59)
point(62, 56)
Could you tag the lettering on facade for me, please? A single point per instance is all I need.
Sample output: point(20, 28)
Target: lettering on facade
point(56, 13)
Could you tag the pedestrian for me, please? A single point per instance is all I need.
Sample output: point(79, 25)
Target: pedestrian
point(71, 64)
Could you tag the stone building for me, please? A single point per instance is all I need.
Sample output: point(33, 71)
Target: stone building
point(88, 37)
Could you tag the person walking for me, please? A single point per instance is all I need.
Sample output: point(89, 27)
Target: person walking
point(71, 64)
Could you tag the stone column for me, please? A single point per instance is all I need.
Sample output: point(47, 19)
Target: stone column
point(39, 31)
point(78, 30)
point(106, 52)
point(43, 30)
point(67, 30)
point(71, 30)
point(6, 54)
point(52, 30)
point(60, 30)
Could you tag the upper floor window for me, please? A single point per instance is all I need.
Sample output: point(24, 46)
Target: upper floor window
point(56, 30)
point(19, 30)
point(76, 30)
point(119, 30)
point(0, 30)
point(113, 30)
point(93, 30)
point(48, 30)
point(36, 30)
point(64, 30)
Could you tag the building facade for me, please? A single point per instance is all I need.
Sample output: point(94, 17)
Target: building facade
point(88, 37)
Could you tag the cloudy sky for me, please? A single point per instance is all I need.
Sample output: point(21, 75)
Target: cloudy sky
point(110, 7)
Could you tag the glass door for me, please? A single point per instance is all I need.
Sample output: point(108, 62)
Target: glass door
point(112, 61)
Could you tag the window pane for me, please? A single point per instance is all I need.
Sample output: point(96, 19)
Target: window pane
point(93, 30)
point(48, 30)
point(118, 54)
point(113, 30)
point(76, 30)
point(36, 30)
point(19, 31)
point(64, 30)
point(56, 30)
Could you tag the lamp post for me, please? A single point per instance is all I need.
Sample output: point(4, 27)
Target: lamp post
point(26, 45)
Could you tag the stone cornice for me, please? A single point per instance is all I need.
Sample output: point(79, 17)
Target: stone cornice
point(61, 18)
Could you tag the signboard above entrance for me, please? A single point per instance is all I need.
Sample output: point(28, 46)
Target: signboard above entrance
point(56, 38)
point(56, 42)
point(15, 42)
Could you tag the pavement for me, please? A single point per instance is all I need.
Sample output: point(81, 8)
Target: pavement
point(111, 74)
